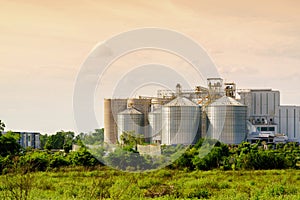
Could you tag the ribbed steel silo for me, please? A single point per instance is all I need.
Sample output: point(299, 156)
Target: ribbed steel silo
point(130, 120)
point(144, 106)
point(155, 122)
point(227, 120)
point(180, 122)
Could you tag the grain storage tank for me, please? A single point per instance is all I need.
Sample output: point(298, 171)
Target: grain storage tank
point(155, 127)
point(130, 120)
point(180, 121)
point(227, 120)
point(111, 109)
point(144, 106)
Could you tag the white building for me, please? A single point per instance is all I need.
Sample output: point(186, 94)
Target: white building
point(289, 122)
point(268, 116)
point(29, 139)
point(263, 105)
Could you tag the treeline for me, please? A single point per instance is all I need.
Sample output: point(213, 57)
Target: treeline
point(36, 160)
point(205, 155)
point(236, 157)
point(65, 139)
point(208, 155)
point(55, 151)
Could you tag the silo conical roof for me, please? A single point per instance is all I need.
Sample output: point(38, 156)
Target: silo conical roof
point(131, 111)
point(226, 101)
point(181, 101)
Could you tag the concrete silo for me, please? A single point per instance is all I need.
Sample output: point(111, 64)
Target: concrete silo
point(111, 109)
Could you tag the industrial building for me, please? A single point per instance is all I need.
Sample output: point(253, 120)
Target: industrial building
point(218, 111)
point(29, 139)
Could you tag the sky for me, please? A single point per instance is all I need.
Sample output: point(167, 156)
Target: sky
point(254, 43)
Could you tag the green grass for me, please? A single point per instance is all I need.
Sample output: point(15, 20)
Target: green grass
point(105, 183)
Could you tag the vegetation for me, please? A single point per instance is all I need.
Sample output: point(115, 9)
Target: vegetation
point(2, 126)
point(9, 144)
point(209, 169)
point(105, 183)
point(205, 155)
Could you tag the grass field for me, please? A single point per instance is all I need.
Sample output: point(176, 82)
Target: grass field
point(78, 183)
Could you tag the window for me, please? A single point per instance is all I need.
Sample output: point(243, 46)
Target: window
point(272, 129)
point(264, 128)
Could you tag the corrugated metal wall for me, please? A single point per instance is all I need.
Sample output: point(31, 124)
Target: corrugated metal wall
point(289, 122)
point(180, 124)
point(155, 122)
point(130, 122)
point(227, 123)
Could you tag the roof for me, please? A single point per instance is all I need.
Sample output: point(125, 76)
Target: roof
point(181, 101)
point(131, 111)
point(226, 101)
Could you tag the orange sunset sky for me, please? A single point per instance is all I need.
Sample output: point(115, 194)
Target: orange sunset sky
point(254, 43)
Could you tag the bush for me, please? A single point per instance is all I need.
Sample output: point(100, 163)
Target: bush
point(35, 161)
point(58, 160)
point(82, 158)
point(5, 164)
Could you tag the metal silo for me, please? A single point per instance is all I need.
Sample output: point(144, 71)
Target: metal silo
point(144, 106)
point(155, 127)
point(180, 122)
point(130, 120)
point(227, 120)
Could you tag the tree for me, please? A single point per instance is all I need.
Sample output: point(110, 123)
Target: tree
point(82, 157)
point(92, 138)
point(68, 141)
point(124, 159)
point(131, 140)
point(61, 140)
point(2, 126)
point(9, 144)
point(43, 139)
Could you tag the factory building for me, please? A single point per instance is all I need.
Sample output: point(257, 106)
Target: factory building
point(289, 122)
point(261, 104)
point(269, 117)
point(219, 111)
point(29, 139)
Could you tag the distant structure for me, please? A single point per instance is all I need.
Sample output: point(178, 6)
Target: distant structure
point(29, 139)
point(218, 111)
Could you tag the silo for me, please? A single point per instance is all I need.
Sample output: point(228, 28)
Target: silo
point(144, 106)
point(111, 109)
point(227, 120)
point(155, 127)
point(130, 120)
point(180, 122)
